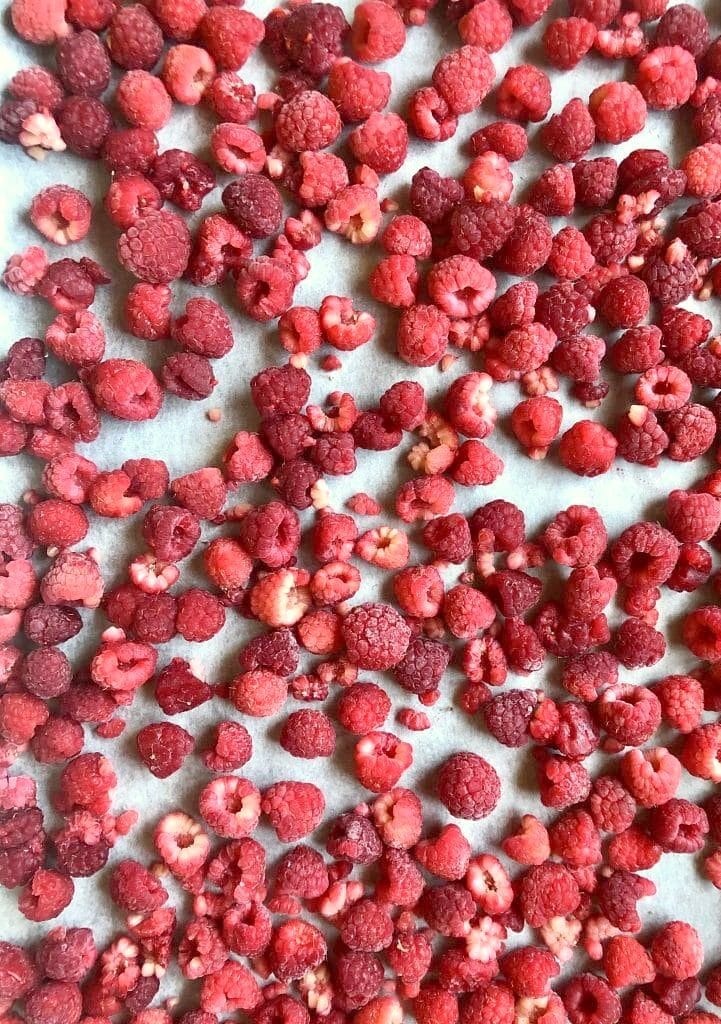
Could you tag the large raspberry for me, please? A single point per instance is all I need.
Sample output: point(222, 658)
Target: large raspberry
point(375, 635)
point(156, 248)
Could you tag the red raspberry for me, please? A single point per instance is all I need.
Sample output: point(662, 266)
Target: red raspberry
point(666, 77)
point(230, 35)
point(378, 32)
point(651, 776)
point(570, 255)
point(308, 734)
point(134, 38)
point(187, 73)
point(468, 786)
point(178, 690)
point(22, 844)
point(502, 137)
point(231, 99)
point(487, 24)
point(587, 448)
point(528, 246)
point(682, 702)
point(307, 121)
point(478, 230)
point(264, 287)
point(701, 749)
point(135, 889)
point(83, 64)
point(464, 78)
point(546, 891)
point(381, 142)
point(618, 110)
point(156, 248)
point(126, 389)
point(354, 838)
point(569, 134)
point(254, 205)
point(677, 951)
point(595, 181)
point(129, 197)
point(554, 192)
point(61, 214)
point(357, 91)
point(375, 635)
point(567, 41)
point(39, 85)
point(313, 38)
point(524, 94)
point(204, 328)
point(129, 150)
point(25, 270)
point(432, 197)
point(624, 301)
point(686, 27)
point(40, 24)
point(294, 809)
point(588, 990)
point(448, 909)
point(163, 747)
point(181, 178)
point(367, 926)
point(679, 826)
point(323, 176)
point(147, 311)
point(84, 124)
point(295, 948)
point(179, 19)
point(429, 116)
point(529, 971)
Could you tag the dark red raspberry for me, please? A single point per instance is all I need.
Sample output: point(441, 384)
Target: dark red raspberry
point(313, 36)
point(163, 747)
point(134, 38)
point(182, 178)
point(254, 205)
point(84, 125)
point(468, 786)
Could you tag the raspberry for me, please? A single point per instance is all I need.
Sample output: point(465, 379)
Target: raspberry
point(41, 24)
point(39, 85)
point(254, 205)
point(163, 748)
point(502, 137)
point(478, 230)
point(187, 73)
point(128, 198)
point(355, 839)
point(264, 288)
point(134, 38)
point(313, 38)
point(430, 117)
point(25, 270)
point(381, 142)
point(178, 690)
point(22, 845)
point(308, 734)
point(230, 35)
point(700, 752)
point(587, 448)
point(380, 759)
point(570, 255)
point(569, 134)
point(295, 948)
point(126, 389)
point(432, 197)
point(220, 249)
point(507, 717)
point(546, 891)
point(181, 178)
point(357, 91)
point(623, 302)
point(61, 214)
point(487, 24)
point(129, 150)
point(307, 121)
point(460, 287)
point(135, 889)
point(367, 926)
point(567, 41)
point(230, 988)
point(528, 246)
point(618, 110)
point(448, 909)
point(464, 78)
point(375, 636)
point(377, 33)
point(524, 94)
point(677, 951)
point(156, 248)
point(83, 64)
point(294, 809)
point(84, 124)
point(666, 77)
point(589, 994)
point(301, 872)
point(468, 786)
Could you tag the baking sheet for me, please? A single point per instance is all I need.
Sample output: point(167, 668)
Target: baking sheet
point(187, 440)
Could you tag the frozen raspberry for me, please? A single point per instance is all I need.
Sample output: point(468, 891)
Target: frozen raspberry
point(567, 41)
point(295, 948)
point(134, 38)
point(129, 197)
point(677, 951)
point(178, 690)
point(231, 99)
point(524, 94)
point(468, 786)
point(666, 77)
point(502, 137)
point(147, 311)
point(375, 635)
point(546, 891)
point(39, 85)
point(264, 287)
point(313, 37)
point(294, 809)
point(618, 110)
point(276, 650)
point(181, 178)
point(22, 845)
point(254, 205)
point(135, 889)
point(377, 33)
point(529, 244)
point(220, 249)
point(126, 389)
point(129, 150)
point(39, 23)
point(487, 24)
point(478, 230)
point(25, 270)
point(163, 748)
point(624, 301)
point(230, 35)
point(307, 121)
point(569, 134)
point(463, 78)
point(357, 91)
point(595, 181)
point(83, 64)
point(588, 990)
point(187, 73)
point(381, 142)
point(432, 197)
point(84, 124)
point(380, 759)
point(570, 255)
point(554, 192)
point(686, 27)
point(587, 448)
point(61, 214)
point(156, 248)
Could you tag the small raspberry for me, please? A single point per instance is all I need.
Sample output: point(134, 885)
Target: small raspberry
point(487, 24)
point(187, 73)
point(381, 142)
point(569, 134)
point(181, 178)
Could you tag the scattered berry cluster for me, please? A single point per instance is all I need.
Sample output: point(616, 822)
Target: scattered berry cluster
point(386, 915)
